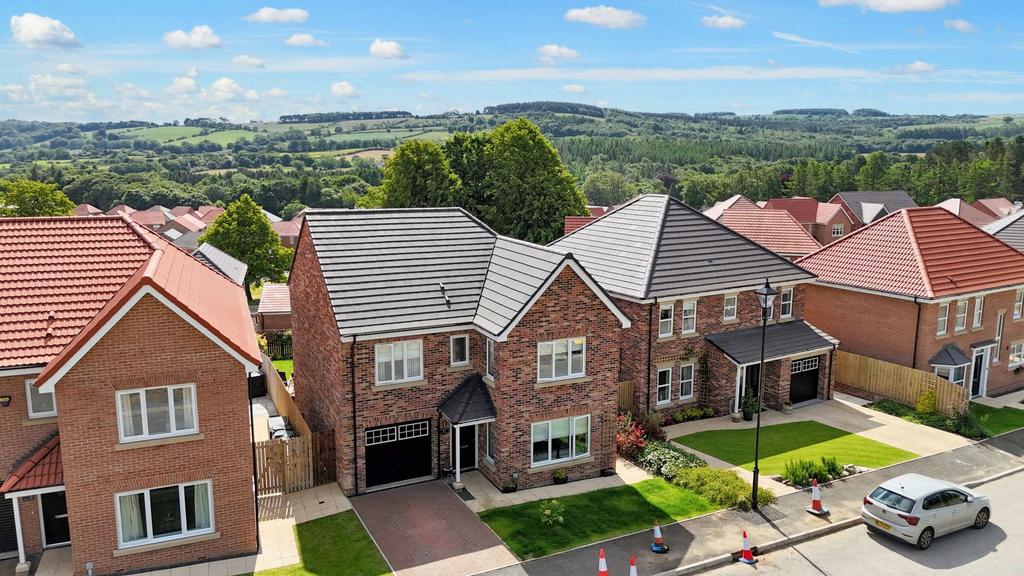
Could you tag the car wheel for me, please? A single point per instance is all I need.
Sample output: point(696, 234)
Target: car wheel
point(874, 530)
point(981, 520)
point(925, 539)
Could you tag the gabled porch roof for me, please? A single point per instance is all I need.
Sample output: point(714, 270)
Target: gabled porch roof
point(469, 402)
point(781, 341)
point(43, 469)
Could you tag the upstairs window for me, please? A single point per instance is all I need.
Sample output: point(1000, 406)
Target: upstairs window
point(1016, 354)
point(399, 361)
point(729, 309)
point(460, 350)
point(559, 359)
point(490, 358)
point(665, 314)
point(943, 325)
point(786, 303)
point(689, 317)
point(961, 315)
point(156, 412)
point(40, 404)
point(979, 311)
point(1018, 305)
point(837, 230)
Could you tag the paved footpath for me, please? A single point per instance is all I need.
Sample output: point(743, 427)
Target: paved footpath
point(714, 535)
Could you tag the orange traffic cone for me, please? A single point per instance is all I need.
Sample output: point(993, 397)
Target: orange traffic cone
point(658, 546)
point(816, 508)
point(632, 565)
point(602, 565)
point(747, 557)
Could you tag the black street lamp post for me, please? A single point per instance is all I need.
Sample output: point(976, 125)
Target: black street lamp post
point(765, 298)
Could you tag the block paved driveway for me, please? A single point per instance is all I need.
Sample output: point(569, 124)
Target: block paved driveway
point(425, 529)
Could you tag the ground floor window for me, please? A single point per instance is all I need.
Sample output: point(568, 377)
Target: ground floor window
point(561, 439)
point(1016, 354)
point(955, 374)
point(165, 513)
point(686, 381)
point(664, 385)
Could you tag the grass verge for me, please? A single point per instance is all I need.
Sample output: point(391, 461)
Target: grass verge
point(998, 420)
point(781, 443)
point(286, 366)
point(335, 545)
point(594, 516)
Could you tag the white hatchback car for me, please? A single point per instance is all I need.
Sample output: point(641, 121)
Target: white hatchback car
point(916, 509)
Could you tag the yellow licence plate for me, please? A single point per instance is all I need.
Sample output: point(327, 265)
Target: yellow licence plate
point(882, 525)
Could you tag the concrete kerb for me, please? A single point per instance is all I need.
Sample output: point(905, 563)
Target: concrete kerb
point(994, 477)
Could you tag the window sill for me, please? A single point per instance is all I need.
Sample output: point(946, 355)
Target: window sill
point(40, 421)
point(159, 442)
point(730, 321)
point(407, 384)
point(562, 464)
point(460, 368)
point(550, 383)
point(688, 335)
point(167, 544)
point(666, 338)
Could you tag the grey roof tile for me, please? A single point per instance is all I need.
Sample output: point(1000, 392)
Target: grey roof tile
point(221, 262)
point(781, 340)
point(861, 202)
point(1009, 229)
point(949, 355)
point(468, 402)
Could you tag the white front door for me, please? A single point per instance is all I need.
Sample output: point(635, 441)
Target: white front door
point(979, 371)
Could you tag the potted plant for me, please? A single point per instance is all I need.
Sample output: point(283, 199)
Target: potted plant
point(749, 407)
point(787, 407)
point(509, 487)
point(560, 477)
point(737, 416)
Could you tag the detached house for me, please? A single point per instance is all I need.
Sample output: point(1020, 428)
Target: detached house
point(867, 206)
point(825, 221)
point(686, 283)
point(123, 399)
point(966, 211)
point(925, 289)
point(427, 341)
point(776, 230)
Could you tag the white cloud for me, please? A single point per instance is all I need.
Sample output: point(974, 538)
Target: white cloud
point(131, 91)
point(809, 42)
point(227, 90)
point(549, 54)
point(915, 67)
point(425, 96)
point(646, 74)
point(893, 5)
point(37, 31)
point(192, 72)
point(199, 37)
point(574, 88)
point(606, 17)
point(970, 97)
point(961, 25)
point(278, 15)
point(304, 40)
point(182, 85)
point(66, 68)
point(724, 21)
point(13, 92)
point(247, 60)
point(344, 90)
point(387, 49)
point(276, 92)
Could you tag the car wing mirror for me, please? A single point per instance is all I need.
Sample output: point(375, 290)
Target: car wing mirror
point(970, 499)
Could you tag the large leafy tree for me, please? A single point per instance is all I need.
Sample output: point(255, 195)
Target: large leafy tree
point(418, 175)
point(466, 155)
point(530, 189)
point(24, 197)
point(606, 188)
point(244, 232)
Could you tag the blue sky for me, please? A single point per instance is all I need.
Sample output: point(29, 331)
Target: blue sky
point(161, 60)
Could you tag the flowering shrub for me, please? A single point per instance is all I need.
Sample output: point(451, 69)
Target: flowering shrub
point(664, 459)
point(552, 513)
point(629, 436)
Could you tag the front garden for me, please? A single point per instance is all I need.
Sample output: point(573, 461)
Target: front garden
point(335, 545)
point(978, 422)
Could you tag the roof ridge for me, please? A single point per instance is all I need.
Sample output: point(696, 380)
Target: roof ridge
point(925, 276)
point(645, 289)
point(629, 202)
point(852, 234)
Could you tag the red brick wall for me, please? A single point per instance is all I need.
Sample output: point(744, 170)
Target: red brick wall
point(867, 324)
point(151, 346)
point(21, 435)
point(273, 322)
point(823, 232)
point(31, 530)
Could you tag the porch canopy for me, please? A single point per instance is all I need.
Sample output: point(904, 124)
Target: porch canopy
point(469, 402)
point(782, 340)
point(949, 355)
point(43, 469)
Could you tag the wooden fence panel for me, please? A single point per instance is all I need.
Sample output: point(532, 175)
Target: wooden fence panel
point(282, 400)
point(626, 395)
point(896, 382)
point(292, 464)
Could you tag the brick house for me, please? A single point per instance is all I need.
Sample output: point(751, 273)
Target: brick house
point(867, 206)
point(428, 341)
point(925, 289)
point(274, 313)
point(825, 221)
point(775, 230)
point(686, 282)
point(123, 399)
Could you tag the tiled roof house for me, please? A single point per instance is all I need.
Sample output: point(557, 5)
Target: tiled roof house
point(995, 207)
point(825, 221)
point(923, 286)
point(110, 424)
point(1009, 229)
point(866, 206)
point(967, 212)
point(776, 230)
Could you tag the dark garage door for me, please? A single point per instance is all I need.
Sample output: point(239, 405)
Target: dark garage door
point(803, 380)
point(8, 536)
point(398, 452)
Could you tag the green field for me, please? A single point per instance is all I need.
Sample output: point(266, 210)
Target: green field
point(224, 137)
point(160, 133)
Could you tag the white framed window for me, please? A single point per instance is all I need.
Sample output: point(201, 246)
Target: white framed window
point(560, 359)
point(560, 440)
point(490, 442)
point(786, 303)
point(729, 307)
point(837, 230)
point(942, 328)
point(1000, 318)
point(955, 374)
point(689, 317)
point(961, 316)
point(40, 404)
point(459, 350)
point(159, 412)
point(165, 513)
point(664, 385)
point(1018, 304)
point(1016, 354)
point(686, 381)
point(665, 315)
point(979, 311)
point(803, 365)
point(490, 358)
point(399, 361)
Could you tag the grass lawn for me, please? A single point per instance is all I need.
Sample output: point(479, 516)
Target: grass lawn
point(334, 545)
point(998, 420)
point(781, 443)
point(286, 366)
point(594, 516)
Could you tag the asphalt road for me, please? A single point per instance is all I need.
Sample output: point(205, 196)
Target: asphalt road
point(994, 551)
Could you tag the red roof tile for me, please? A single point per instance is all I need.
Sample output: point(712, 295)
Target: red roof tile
point(286, 228)
point(805, 210)
point(597, 211)
point(776, 230)
point(210, 214)
point(923, 252)
point(120, 208)
point(190, 222)
point(572, 223)
point(275, 299)
point(966, 211)
point(149, 217)
point(43, 469)
point(179, 210)
point(995, 207)
point(87, 210)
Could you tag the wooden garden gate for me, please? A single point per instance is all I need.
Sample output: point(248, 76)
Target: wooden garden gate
point(288, 465)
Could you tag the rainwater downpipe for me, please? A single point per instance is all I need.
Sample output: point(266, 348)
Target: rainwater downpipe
point(917, 332)
point(355, 434)
point(650, 315)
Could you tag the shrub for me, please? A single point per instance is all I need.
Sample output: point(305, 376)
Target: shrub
point(651, 423)
point(926, 402)
point(629, 437)
point(678, 416)
point(832, 466)
point(721, 487)
point(800, 472)
point(552, 513)
point(965, 423)
point(665, 459)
